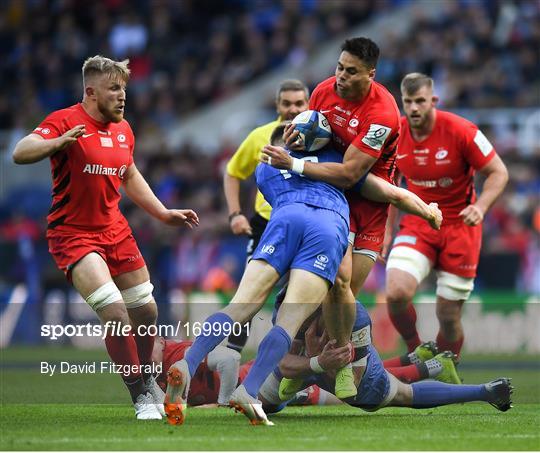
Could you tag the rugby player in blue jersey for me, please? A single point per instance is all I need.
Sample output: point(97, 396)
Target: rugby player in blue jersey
point(307, 235)
point(377, 388)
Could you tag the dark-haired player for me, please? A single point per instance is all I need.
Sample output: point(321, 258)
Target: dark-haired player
point(365, 122)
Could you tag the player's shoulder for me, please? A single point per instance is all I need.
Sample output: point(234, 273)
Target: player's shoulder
point(456, 123)
point(65, 113)
point(383, 106)
point(381, 95)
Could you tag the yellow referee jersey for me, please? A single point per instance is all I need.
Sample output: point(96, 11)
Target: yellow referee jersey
point(246, 158)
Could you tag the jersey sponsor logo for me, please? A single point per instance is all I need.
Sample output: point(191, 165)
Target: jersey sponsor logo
point(326, 111)
point(376, 136)
point(483, 143)
point(405, 239)
point(424, 183)
point(401, 156)
point(445, 182)
point(106, 142)
point(121, 138)
point(354, 122)
point(321, 262)
point(441, 154)
point(87, 135)
point(98, 169)
point(268, 249)
point(421, 151)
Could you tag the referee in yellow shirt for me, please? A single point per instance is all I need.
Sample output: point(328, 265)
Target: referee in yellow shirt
point(292, 98)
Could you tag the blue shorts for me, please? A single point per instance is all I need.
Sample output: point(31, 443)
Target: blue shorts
point(301, 236)
point(374, 386)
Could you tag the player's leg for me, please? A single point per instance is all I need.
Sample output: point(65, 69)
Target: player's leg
point(258, 280)
point(339, 313)
point(452, 291)
point(305, 293)
point(363, 261)
point(456, 269)
point(426, 394)
point(405, 270)
point(136, 291)
point(92, 279)
point(237, 341)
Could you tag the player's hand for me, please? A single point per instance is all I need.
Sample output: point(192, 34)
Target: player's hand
point(277, 157)
point(240, 225)
point(180, 217)
point(292, 139)
point(333, 358)
point(472, 215)
point(436, 216)
point(69, 137)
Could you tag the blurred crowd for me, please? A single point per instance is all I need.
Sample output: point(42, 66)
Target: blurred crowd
point(186, 53)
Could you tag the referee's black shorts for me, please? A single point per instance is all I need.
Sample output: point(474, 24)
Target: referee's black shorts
point(258, 224)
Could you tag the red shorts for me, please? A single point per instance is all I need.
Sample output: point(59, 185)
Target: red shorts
point(455, 248)
point(368, 222)
point(116, 246)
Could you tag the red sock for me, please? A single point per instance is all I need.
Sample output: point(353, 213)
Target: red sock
point(145, 344)
point(445, 345)
point(392, 362)
point(405, 324)
point(407, 374)
point(122, 350)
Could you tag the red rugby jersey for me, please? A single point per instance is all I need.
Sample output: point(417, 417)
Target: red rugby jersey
point(372, 125)
point(87, 175)
point(204, 386)
point(441, 168)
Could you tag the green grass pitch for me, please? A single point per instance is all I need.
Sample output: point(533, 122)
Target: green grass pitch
point(92, 412)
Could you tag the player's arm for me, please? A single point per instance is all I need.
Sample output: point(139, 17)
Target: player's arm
point(34, 147)
point(496, 179)
point(241, 166)
point(330, 358)
point(227, 364)
point(138, 190)
point(379, 190)
point(238, 221)
point(355, 165)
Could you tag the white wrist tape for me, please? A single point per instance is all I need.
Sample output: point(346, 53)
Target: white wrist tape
point(298, 165)
point(315, 366)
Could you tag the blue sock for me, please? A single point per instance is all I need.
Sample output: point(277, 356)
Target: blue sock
point(272, 349)
point(203, 344)
point(433, 394)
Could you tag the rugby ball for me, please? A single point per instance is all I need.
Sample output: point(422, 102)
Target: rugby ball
point(315, 132)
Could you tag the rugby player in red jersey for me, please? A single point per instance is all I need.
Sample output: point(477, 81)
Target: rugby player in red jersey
point(90, 146)
point(365, 122)
point(439, 154)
